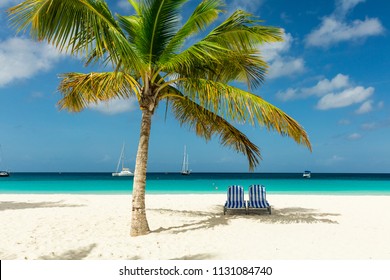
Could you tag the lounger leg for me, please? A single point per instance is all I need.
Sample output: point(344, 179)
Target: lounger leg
point(269, 210)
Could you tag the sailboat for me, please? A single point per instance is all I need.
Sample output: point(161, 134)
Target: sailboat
point(185, 170)
point(125, 171)
point(307, 174)
point(3, 173)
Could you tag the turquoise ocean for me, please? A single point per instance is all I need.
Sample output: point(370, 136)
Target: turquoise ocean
point(196, 183)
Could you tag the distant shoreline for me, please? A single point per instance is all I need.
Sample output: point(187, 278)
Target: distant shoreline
point(197, 183)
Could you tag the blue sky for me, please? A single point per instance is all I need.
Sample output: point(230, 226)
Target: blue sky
point(330, 74)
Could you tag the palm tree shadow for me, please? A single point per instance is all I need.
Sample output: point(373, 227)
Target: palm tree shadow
point(294, 215)
point(215, 218)
point(12, 205)
point(210, 220)
point(77, 254)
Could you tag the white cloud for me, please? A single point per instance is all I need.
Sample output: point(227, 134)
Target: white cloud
point(322, 88)
point(335, 28)
point(369, 126)
point(344, 6)
point(280, 64)
point(289, 94)
point(114, 106)
point(248, 6)
point(345, 98)
point(366, 107)
point(325, 86)
point(369, 106)
point(273, 51)
point(285, 67)
point(333, 31)
point(354, 136)
point(24, 58)
point(376, 125)
point(344, 122)
point(334, 93)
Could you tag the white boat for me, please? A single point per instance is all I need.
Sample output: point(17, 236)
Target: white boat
point(185, 170)
point(125, 171)
point(3, 173)
point(306, 174)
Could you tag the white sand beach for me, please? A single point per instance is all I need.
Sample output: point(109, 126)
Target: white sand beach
point(301, 227)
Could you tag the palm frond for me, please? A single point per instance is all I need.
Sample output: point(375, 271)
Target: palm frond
point(245, 67)
point(131, 25)
point(159, 20)
point(136, 6)
point(234, 45)
point(206, 124)
point(79, 89)
point(241, 106)
point(199, 56)
point(81, 27)
point(204, 14)
point(242, 31)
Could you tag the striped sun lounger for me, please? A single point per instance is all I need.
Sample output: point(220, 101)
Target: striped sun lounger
point(235, 199)
point(257, 198)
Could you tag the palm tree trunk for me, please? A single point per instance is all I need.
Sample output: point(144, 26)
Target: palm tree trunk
point(139, 223)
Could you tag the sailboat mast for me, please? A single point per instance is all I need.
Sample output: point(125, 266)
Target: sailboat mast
point(184, 160)
point(123, 156)
point(1, 157)
point(184, 169)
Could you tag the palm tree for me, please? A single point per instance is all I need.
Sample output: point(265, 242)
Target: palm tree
point(151, 59)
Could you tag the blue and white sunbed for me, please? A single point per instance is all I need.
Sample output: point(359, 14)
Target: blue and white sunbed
point(235, 199)
point(257, 198)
